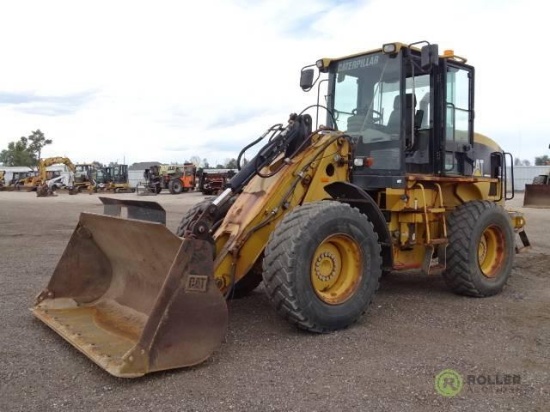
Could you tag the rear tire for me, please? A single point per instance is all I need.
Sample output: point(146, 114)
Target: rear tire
point(254, 277)
point(322, 266)
point(249, 283)
point(175, 186)
point(481, 249)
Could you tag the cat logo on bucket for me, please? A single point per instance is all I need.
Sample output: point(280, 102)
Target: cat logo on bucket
point(196, 283)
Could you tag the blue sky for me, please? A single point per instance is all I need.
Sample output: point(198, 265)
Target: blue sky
point(163, 80)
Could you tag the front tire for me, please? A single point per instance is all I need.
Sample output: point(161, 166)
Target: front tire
point(322, 266)
point(188, 216)
point(481, 249)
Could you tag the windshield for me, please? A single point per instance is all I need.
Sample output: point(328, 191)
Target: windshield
point(365, 90)
point(368, 105)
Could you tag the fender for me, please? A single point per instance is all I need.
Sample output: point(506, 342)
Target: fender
point(357, 197)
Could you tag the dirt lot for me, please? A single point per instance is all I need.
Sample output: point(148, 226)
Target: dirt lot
point(386, 362)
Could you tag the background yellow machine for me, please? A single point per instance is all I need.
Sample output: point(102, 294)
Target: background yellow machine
point(113, 178)
point(396, 180)
point(43, 181)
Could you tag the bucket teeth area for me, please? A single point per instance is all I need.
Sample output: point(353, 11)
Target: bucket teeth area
point(96, 331)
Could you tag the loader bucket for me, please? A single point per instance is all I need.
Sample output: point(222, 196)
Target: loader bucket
point(537, 196)
point(134, 297)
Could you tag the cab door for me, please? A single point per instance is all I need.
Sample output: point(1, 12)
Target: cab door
point(458, 102)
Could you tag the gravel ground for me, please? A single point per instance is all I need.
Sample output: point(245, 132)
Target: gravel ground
point(386, 362)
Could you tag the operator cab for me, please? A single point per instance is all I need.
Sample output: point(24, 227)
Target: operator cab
point(407, 109)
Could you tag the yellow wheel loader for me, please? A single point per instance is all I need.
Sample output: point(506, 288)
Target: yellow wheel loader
point(395, 180)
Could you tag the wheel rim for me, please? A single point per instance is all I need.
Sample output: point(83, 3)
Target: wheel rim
point(336, 269)
point(490, 252)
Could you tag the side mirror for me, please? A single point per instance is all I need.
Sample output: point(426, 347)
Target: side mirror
point(429, 55)
point(306, 79)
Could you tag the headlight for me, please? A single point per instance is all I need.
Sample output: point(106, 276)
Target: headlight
point(363, 161)
point(322, 65)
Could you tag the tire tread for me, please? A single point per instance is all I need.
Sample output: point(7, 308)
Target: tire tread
point(462, 222)
point(279, 282)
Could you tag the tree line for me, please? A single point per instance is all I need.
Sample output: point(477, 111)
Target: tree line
point(26, 151)
point(539, 161)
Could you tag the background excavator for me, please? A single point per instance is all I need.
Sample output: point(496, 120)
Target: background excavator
point(44, 184)
point(52, 184)
point(318, 215)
